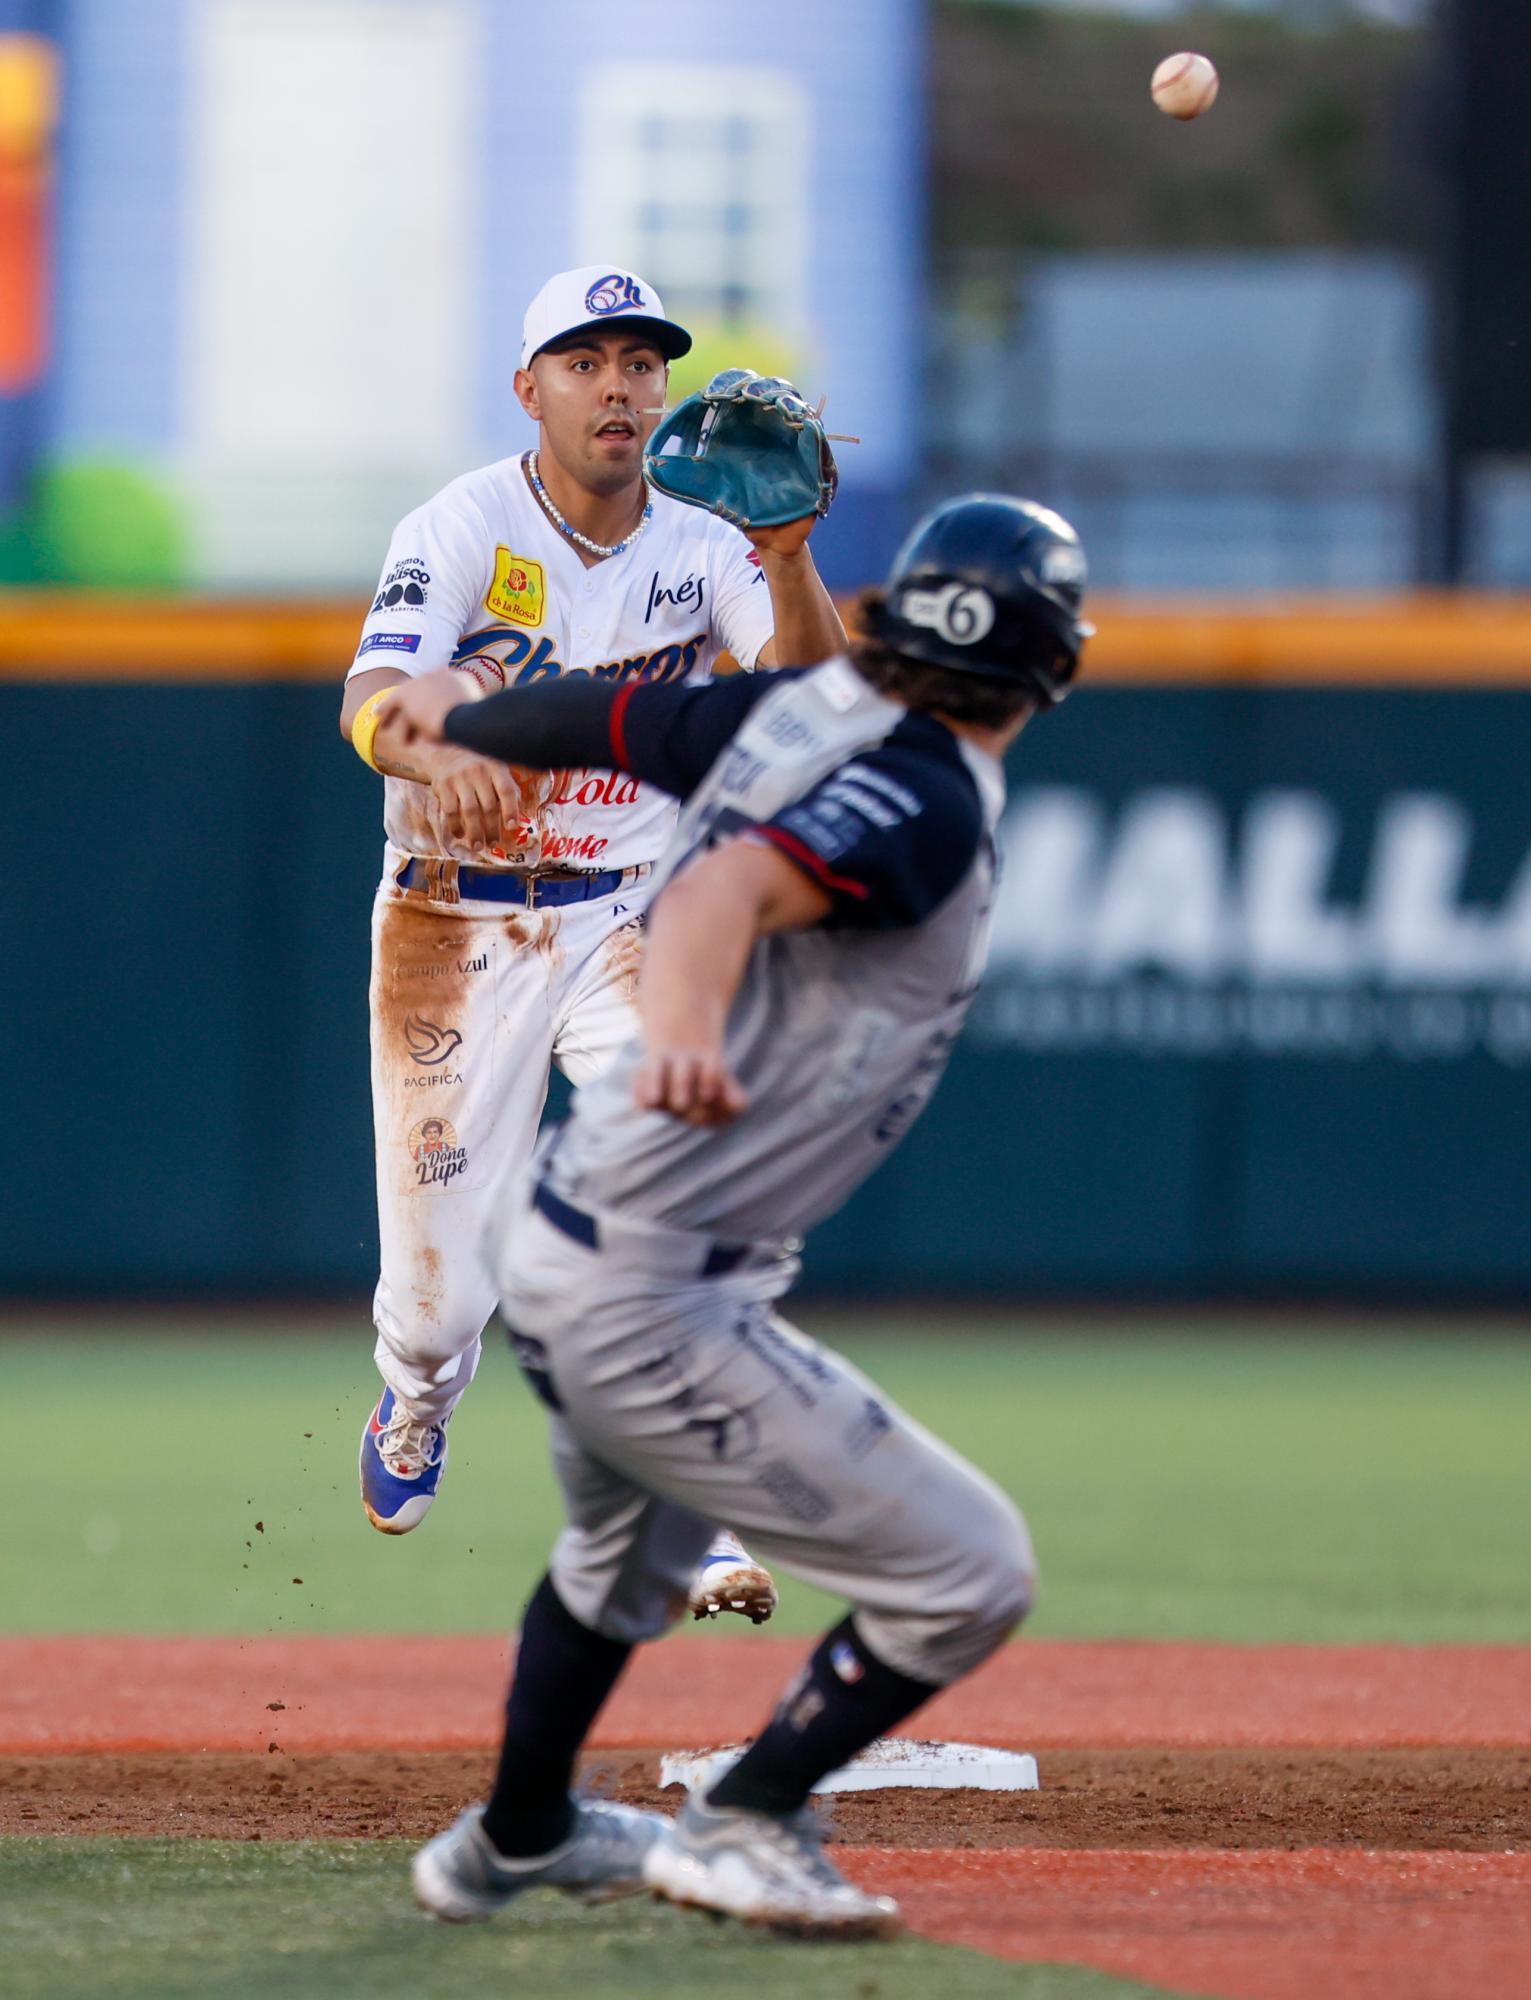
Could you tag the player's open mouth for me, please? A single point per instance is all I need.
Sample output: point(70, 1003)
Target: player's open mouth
point(618, 427)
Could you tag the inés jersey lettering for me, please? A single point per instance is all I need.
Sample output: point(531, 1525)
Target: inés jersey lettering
point(689, 593)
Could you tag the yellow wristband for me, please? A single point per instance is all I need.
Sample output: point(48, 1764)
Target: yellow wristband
point(364, 727)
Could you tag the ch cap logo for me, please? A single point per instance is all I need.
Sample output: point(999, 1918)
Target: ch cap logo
point(960, 612)
point(613, 294)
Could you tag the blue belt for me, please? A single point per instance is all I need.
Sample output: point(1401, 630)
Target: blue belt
point(573, 1222)
point(439, 879)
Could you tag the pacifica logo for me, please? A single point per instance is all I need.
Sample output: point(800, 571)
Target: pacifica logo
point(614, 293)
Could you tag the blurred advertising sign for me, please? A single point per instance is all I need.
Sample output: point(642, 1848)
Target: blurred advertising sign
point(775, 203)
point(29, 102)
point(702, 173)
point(1172, 923)
point(28, 115)
point(777, 206)
point(1257, 1017)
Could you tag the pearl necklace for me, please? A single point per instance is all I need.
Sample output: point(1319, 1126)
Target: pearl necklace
point(595, 548)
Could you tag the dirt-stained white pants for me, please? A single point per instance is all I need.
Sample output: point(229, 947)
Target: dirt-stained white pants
point(471, 1004)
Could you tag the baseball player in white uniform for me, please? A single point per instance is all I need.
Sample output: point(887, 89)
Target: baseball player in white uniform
point(818, 932)
point(506, 927)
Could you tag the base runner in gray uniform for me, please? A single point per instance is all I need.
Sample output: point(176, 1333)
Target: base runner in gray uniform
point(819, 928)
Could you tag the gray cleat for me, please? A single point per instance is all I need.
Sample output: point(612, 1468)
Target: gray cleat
point(763, 1868)
point(461, 1879)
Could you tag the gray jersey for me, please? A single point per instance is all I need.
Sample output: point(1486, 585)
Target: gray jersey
point(839, 1034)
point(679, 1397)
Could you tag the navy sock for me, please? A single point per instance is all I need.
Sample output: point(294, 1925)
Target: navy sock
point(844, 1699)
point(564, 1672)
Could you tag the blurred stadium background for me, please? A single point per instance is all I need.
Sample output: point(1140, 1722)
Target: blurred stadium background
point(1259, 1021)
point(1215, 1247)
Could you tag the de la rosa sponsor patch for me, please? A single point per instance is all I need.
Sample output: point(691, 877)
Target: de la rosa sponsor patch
point(519, 591)
point(438, 1158)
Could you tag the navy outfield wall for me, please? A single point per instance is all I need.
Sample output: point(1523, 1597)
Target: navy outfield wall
point(1258, 1022)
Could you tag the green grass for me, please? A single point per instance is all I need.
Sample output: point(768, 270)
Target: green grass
point(145, 1920)
point(1308, 1482)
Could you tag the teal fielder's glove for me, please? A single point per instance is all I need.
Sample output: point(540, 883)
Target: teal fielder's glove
point(747, 448)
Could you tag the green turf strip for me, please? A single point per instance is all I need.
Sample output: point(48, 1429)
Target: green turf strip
point(1286, 1481)
point(137, 1920)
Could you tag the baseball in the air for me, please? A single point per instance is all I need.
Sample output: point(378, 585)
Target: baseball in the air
point(1185, 85)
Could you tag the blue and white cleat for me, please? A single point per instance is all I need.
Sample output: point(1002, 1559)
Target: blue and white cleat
point(763, 1868)
point(460, 1878)
point(402, 1460)
point(730, 1579)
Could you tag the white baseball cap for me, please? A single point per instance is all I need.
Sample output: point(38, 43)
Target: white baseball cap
point(597, 295)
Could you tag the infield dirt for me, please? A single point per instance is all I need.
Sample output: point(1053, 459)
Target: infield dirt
point(1435, 1800)
point(1268, 1824)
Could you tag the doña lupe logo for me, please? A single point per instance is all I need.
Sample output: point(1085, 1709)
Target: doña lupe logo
point(435, 1152)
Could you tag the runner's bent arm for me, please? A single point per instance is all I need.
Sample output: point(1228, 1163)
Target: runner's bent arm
point(701, 932)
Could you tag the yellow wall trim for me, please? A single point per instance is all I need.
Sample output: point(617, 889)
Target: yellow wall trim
point(1438, 640)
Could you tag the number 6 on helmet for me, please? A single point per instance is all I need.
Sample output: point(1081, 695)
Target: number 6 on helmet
point(989, 586)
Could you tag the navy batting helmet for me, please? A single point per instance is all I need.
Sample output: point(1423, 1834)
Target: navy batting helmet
point(989, 586)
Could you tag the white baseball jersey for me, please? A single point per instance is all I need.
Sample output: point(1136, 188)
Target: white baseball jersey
point(480, 577)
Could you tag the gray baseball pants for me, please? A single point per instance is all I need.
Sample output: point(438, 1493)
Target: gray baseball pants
point(681, 1400)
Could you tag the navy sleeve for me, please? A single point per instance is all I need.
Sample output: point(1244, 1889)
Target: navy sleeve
point(887, 837)
point(668, 736)
point(672, 736)
point(550, 726)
